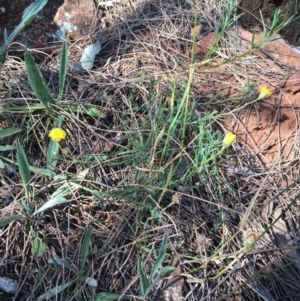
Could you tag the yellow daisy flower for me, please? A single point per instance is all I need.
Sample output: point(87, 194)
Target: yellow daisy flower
point(228, 140)
point(264, 93)
point(57, 134)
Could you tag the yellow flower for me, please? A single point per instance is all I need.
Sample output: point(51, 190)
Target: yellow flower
point(57, 134)
point(228, 140)
point(264, 93)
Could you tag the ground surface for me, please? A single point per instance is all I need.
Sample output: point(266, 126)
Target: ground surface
point(153, 157)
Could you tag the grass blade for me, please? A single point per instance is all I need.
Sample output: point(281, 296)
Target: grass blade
point(54, 291)
point(161, 257)
point(3, 51)
point(42, 171)
point(37, 246)
point(58, 197)
point(85, 247)
point(24, 168)
point(143, 279)
point(36, 81)
point(63, 68)
point(6, 221)
point(63, 263)
point(10, 131)
point(29, 14)
point(51, 203)
point(109, 297)
point(6, 147)
point(163, 272)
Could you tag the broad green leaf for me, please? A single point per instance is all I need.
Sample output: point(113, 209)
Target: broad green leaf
point(67, 188)
point(109, 297)
point(36, 81)
point(85, 247)
point(52, 154)
point(11, 219)
point(23, 168)
point(29, 14)
point(7, 147)
point(161, 256)
point(143, 278)
point(94, 112)
point(54, 291)
point(10, 131)
point(53, 148)
point(88, 109)
point(63, 263)
point(63, 68)
point(37, 246)
point(51, 203)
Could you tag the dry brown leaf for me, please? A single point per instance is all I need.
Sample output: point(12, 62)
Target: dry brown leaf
point(173, 288)
point(196, 31)
point(283, 237)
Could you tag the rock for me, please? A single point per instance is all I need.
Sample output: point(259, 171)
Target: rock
point(292, 84)
point(276, 46)
point(8, 285)
point(75, 18)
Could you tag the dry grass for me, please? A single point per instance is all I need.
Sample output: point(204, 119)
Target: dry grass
point(146, 48)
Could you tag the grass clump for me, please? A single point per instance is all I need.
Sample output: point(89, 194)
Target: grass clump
point(108, 183)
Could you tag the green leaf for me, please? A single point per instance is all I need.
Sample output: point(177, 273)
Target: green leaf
point(143, 279)
point(3, 52)
point(29, 14)
point(11, 219)
point(63, 68)
point(23, 168)
point(42, 171)
point(54, 291)
point(37, 246)
point(10, 131)
point(37, 84)
point(160, 258)
point(24, 109)
point(63, 263)
point(94, 112)
point(85, 247)
point(7, 147)
point(51, 203)
point(95, 193)
point(163, 272)
point(109, 297)
point(2, 165)
point(53, 148)
point(88, 109)
point(67, 188)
